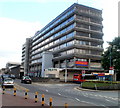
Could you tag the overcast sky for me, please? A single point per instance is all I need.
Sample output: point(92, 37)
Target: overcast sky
point(20, 19)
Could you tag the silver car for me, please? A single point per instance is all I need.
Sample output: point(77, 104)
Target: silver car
point(8, 82)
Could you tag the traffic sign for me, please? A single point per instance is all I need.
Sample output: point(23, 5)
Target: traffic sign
point(83, 72)
point(111, 68)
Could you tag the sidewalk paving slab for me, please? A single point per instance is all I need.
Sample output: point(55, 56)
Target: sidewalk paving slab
point(9, 100)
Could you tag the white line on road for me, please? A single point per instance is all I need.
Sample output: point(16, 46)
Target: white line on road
point(86, 102)
point(100, 95)
point(107, 100)
point(46, 90)
point(114, 98)
point(85, 95)
point(77, 99)
point(104, 106)
point(59, 94)
point(111, 101)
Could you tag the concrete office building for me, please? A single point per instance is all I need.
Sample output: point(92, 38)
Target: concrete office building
point(73, 41)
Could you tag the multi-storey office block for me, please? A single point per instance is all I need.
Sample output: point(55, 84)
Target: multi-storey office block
point(74, 38)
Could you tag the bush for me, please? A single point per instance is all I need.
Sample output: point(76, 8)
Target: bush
point(103, 85)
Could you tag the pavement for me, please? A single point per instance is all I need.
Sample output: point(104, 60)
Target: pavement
point(9, 100)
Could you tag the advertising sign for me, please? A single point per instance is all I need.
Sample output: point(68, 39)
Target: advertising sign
point(95, 65)
point(81, 63)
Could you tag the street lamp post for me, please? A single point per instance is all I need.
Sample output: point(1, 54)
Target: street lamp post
point(112, 62)
point(110, 70)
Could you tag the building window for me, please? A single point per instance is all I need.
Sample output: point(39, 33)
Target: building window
point(63, 45)
point(70, 51)
point(70, 35)
point(70, 43)
point(82, 34)
point(56, 41)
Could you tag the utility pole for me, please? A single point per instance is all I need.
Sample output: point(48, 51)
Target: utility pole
point(110, 56)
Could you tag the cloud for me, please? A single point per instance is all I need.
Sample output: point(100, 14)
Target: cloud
point(40, 1)
point(13, 34)
point(110, 20)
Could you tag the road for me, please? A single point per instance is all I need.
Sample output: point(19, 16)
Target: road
point(68, 93)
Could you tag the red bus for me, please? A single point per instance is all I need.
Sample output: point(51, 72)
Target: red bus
point(78, 78)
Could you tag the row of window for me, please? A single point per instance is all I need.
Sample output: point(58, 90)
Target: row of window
point(57, 21)
point(36, 61)
point(55, 35)
point(88, 19)
point(88, 43)
point(80, 51)
point(88, 34)
point(55, 48)
point(37, 55)
point(90, 27)
point(64, 38)
point(71, 51)
point(62, 46)
point(88, 11)
point(68, 44)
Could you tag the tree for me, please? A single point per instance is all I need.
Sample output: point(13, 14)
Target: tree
point(111, 56)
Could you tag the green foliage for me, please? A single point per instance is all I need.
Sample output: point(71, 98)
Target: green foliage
point(113, 53)
point(92, 84)
point(98, 83)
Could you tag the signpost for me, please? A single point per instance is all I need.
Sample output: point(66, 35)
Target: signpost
point(111, 70)
point(83, 73)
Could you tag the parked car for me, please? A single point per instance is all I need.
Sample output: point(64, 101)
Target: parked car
point(8, 82)
point(26, 79)
point(5, 76)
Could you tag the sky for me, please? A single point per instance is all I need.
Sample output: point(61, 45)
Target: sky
point(20, 19)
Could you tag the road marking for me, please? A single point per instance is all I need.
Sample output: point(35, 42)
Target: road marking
point(77, 99)
point(90, 94)
point(114, 98)
point(100, 95)
point(46, 90)
point(59, 94)
point(105, 96)
point(85, 95)
point(107, 100)
point(104, 106)
point(85, 102)
point(110, 101)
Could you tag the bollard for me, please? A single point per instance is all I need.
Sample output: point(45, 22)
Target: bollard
point(66, 105)
point(43, 99)
point(50, 104)
point(26, 93)
point(3, 90)
point(14, 92)
point(36, 97)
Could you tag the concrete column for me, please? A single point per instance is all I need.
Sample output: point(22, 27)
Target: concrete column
point(74, 62)
point(26, 63)
point(47, 57)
